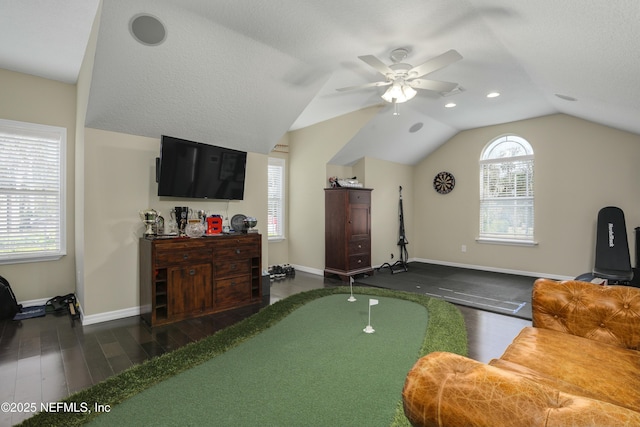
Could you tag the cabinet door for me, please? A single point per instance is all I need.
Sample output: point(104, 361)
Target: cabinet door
point(359, 222)
point(190, 289)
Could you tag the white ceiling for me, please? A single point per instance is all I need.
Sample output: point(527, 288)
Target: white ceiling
point(241, 73)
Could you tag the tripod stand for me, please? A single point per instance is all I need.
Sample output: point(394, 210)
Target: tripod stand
point(399, 266)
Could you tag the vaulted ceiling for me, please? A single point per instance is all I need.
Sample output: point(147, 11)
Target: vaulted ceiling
point(242, 73)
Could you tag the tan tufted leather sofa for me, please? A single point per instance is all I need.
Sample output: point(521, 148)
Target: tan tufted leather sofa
point(579, 365)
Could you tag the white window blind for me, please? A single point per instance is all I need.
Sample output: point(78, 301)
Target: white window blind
point(32, 192)
point(507, 191)
point(276, 198)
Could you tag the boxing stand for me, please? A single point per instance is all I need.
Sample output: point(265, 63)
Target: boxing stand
point(399, 266)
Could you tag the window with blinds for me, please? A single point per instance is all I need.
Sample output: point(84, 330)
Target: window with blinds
point(32, 192)
point(275, 214)
point(506, 191)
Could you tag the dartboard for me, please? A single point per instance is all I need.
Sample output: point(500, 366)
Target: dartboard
point(444, 182)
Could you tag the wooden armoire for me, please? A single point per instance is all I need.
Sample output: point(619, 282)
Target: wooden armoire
point(347, 231)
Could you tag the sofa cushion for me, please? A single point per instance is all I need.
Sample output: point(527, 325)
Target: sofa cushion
point(445, 389)
point(576, 365)
point(555, 383)
point(609, 314)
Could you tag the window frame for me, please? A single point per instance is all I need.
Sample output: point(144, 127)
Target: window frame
point(280, 234)
point(516, 194)
point(56, 138)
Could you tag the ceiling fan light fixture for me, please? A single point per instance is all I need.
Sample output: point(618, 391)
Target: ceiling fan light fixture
point(399, 92)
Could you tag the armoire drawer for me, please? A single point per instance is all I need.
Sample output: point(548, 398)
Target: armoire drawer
point(359, 261)
point(359, 246)
point(360, 197)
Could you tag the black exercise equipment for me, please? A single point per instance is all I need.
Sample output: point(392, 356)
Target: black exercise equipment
point(65, 303)
point(399, 266)
point(613, 262)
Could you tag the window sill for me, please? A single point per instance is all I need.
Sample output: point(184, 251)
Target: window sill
point(24, 260)
point(508, 242)
point(276, 239)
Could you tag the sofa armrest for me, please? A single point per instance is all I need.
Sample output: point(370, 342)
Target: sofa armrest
point(445, 389)
point(609, 314)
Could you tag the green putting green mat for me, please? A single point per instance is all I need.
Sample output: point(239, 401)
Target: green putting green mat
point(315, 367)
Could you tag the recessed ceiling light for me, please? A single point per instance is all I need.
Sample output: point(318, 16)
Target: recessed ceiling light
point(493, 94)
point(566, 97)
point(147, 29)
point(450, 105)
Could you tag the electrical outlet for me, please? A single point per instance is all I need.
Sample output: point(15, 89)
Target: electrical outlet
point(464, 248)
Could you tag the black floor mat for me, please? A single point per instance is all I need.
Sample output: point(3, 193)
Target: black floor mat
point(496, 292)
point(31, 312)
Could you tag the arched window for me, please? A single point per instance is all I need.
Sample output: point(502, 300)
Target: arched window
point(506, 191)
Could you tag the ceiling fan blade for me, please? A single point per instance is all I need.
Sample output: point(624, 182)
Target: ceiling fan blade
point(365, 86)
point(434, 64)
point(433, 85)
point(374, 62)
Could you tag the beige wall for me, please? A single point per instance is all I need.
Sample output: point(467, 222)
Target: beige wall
point(120, 181)
point(580, 167)
point(36, 100)
point(310, 150)
point(385, 178)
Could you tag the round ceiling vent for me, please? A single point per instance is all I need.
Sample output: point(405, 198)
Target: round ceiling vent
point(416, 127)
point(566, 97)
point(147, 29)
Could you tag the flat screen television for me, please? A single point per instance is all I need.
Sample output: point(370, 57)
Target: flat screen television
point(200, 171)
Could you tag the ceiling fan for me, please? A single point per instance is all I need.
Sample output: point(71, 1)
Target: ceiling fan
point(404, 79)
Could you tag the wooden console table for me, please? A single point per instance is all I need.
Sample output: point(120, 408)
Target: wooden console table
point(182, 278)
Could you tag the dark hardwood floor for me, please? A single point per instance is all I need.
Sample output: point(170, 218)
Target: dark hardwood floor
point(45, 359)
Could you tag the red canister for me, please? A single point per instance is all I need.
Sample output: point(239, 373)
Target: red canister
point(214, 225)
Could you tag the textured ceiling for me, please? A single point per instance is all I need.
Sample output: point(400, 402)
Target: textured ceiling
point(242, 73)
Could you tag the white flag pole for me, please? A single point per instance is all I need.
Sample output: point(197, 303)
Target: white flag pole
point(369, 329)
point(351, 298)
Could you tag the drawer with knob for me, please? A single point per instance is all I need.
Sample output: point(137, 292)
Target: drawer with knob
point(230, 292)
point(231, 268)
point(359, 261)
point(360, 197)
point(359, 246)
point(182, 256)
point(237, 250)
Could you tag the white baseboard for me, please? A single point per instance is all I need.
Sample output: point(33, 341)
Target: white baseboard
point(494, 269)
point(110, 315)
point(93, 318)
point(310, 270)
point(34, 302)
